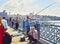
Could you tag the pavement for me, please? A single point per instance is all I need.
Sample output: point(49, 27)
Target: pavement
point(15, 40)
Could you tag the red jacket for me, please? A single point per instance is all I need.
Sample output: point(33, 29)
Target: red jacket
point(1, 34)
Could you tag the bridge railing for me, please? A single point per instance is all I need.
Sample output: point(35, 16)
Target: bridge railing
point(50, 33)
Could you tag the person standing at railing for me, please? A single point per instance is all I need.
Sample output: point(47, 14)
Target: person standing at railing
point(23, 24)
point(27, 24)
point(12, 23)
point(38, 28)
point(9, 21)
point(17, 23)
point(5, 23)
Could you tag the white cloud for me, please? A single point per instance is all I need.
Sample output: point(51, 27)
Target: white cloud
point(27, 1)
point(57, 0)
point(51, 12)
point(19, 6)
point(22, 7)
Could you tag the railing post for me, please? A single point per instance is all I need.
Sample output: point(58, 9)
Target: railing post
point(55, 34)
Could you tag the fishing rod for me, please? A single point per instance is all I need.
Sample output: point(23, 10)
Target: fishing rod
point(45, 8)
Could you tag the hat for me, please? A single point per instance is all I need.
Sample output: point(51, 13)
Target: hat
point(32, 27)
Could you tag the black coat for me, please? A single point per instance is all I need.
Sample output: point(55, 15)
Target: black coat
point(7, 39)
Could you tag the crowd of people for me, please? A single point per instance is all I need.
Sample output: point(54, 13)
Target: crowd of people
point(31, 31)
point(14, 22)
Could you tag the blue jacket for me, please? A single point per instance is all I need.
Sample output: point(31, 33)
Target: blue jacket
point(27, 23)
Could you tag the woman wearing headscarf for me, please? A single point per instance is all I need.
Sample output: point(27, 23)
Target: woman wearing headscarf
point(33, 35)
point(1, 31)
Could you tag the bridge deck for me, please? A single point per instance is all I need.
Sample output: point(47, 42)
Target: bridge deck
point(15, 40)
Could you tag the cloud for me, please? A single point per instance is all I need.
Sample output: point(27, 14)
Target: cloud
point(57, 0)
point(27, 1)
point(19, 6)
point(51, 12)
point(24, 7)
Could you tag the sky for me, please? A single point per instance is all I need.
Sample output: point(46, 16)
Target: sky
point(24, 7)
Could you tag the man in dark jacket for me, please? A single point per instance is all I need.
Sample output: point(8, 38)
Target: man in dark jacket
point(7, 38)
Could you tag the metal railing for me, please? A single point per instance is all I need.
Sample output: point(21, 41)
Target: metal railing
point(50, 33)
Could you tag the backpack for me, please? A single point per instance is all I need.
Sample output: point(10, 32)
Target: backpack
point(7, 39)
point(22, 39)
